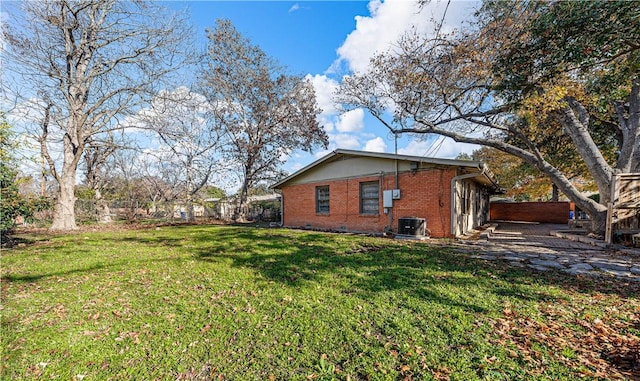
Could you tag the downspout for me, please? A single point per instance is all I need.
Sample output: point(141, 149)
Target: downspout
point(279, 191)
point(454, 180)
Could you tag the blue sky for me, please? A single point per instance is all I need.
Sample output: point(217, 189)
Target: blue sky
point(303, 36)
point(327, 40)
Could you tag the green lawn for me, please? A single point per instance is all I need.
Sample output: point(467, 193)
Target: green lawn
point(223, 302)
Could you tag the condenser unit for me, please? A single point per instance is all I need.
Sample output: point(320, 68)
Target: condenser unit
point(412, 226)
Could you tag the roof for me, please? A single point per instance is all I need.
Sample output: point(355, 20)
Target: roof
point(473, 165)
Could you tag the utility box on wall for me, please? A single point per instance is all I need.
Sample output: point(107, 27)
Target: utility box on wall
point(388, 196)
point(387, 199)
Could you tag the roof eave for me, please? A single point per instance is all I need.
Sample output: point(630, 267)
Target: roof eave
point(339, 151)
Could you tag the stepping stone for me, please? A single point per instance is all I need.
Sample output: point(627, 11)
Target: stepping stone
point(635, 270)
point(527, 255)
point(609, 265)
point(514, 258)
point(545, 263)
point(539, 268)
point(579, 268)
point(485, 257)
point(618, 273)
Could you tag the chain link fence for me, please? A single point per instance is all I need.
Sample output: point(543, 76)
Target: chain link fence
point(88, 212)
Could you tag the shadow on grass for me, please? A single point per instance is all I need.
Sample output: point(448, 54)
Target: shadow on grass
point(160, 240)
point(29, 278)
point(375, 265)
point(366, 266)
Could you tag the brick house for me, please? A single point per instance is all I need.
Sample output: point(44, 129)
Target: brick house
point(356, 191)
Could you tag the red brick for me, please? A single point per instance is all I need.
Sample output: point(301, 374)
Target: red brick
point(545, 212)
point(425, 194)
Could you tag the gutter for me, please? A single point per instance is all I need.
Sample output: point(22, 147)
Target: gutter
point(454, 180)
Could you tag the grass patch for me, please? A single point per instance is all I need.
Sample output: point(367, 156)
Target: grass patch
point(224, 302)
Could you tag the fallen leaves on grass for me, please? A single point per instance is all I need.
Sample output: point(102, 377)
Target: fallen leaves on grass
point(600, 350)
point(134, 336)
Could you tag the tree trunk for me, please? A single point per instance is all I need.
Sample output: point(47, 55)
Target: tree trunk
point(629, 156)
point(597, 212)
point(555, 194)
point(64, 215)
point(191, 217)
point(189, 196)
point(244, 193)
point(574, 118)
point(599, 222)
point(103, 213)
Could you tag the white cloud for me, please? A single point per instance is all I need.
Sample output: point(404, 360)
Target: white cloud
point(374, 33)
point(415, 148)
point(375, 145)
point(294, 8)
point(329, 118)
point(351, 121)
point(388, 21)
point(346, 141)
point(435, 146)
point(325, 87)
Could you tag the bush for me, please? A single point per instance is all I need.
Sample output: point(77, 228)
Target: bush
point(13, 204)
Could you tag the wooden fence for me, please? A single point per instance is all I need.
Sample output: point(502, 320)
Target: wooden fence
point(623, 213)
point(544, 212)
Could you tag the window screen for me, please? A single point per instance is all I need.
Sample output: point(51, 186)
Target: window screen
point(322, 199)
point(369, 197)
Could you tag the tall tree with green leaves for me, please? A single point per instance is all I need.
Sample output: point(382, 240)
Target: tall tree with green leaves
point(527, 76)
point(88, 64)
point(264, 113)
point(12, 203)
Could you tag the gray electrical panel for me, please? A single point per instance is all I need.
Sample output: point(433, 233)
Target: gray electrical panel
point(387, 199)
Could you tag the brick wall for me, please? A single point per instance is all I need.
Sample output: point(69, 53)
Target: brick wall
point(545, 212)
point(424, 193)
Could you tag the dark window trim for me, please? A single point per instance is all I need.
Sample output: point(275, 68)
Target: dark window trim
point(321, 209)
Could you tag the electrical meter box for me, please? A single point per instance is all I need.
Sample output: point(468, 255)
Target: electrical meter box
point(387, 199)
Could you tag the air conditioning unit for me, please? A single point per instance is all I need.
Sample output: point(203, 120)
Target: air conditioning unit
point(412, 226)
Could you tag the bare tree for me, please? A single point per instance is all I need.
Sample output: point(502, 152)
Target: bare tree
point(136, 179)
point(524, 79)
point(264, 113)
point(96, 159)
point(189, 139)
point(96, 61)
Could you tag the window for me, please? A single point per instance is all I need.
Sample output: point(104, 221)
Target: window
point(369, 197)
point(322, 199)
